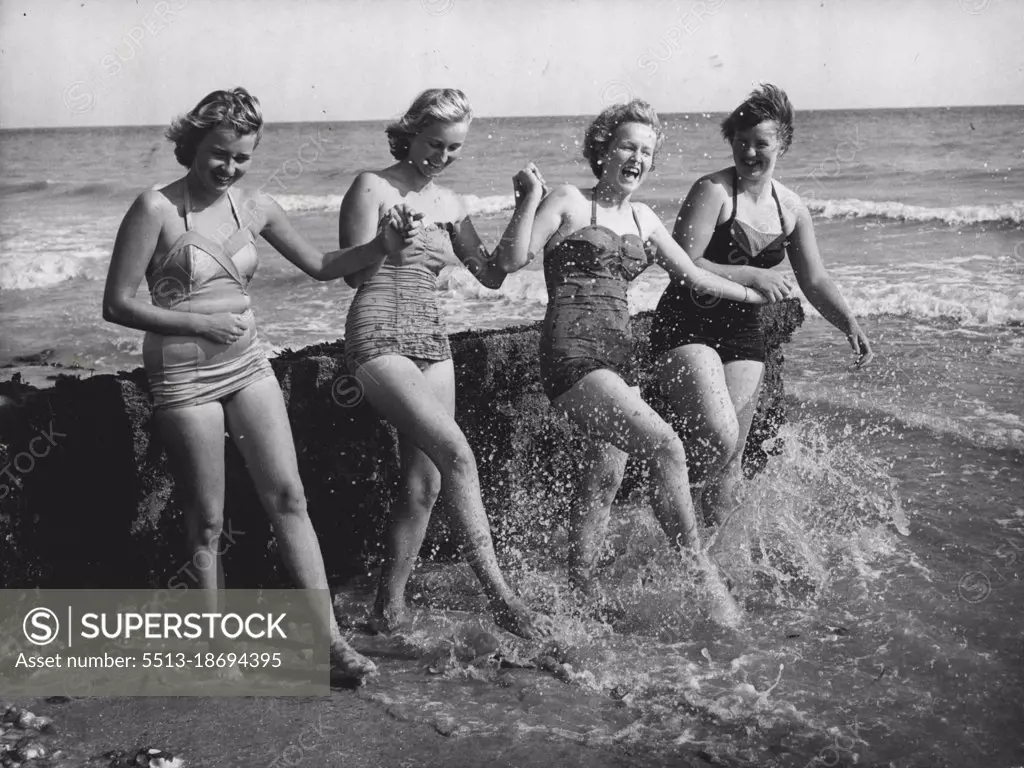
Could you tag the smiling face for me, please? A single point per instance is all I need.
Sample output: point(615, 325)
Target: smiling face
point(756, 150)
point(436, 147)
point(222, 158)
point(629, 156)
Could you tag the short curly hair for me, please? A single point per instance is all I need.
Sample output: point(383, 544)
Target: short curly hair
point(601, 132)
point(767, 102)
point(236, 109)
point(434, 105)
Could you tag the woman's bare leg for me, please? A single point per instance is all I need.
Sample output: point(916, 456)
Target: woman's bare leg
point(194, 440)
point(258, 423)
point(398, 390)
point(743, 379)
point(693, 382)
point(418, 490)
point(609, 408)
point(603, 468)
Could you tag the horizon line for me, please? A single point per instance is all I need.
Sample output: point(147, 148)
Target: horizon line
point(513, 117)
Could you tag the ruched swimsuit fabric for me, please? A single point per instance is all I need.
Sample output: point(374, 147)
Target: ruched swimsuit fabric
point(203, 276)
point(396, 312)
point(586, 326)
point(732, 328)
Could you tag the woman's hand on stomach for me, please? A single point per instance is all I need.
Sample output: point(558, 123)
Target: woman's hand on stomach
point(225, 327)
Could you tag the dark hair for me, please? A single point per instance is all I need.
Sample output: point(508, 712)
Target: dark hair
point(768, 102)
point(601, 132)
point(235, 109)
point(434, 105)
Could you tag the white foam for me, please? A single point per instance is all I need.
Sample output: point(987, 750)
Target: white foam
point(19, 273)
point(986, 432)
point(1009, 213)
point(477, 206)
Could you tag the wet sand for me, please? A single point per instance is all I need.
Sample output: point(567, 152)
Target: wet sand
point(350, 728)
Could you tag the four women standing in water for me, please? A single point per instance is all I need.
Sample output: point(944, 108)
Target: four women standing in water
point(398, 228)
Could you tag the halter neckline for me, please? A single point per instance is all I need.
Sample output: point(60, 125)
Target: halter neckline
point(593, 216)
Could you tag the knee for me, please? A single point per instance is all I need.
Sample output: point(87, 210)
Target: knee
point(717, 444)
point(455, 456)
point(670, 452)
point(423, 489)
point(206, 521)
point(287, 498)
point(604, 484)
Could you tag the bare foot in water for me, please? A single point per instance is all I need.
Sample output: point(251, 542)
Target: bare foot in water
point(513, 616)
point(583, 581)
point(388, 619)
point(724, 609)
point(347, 662)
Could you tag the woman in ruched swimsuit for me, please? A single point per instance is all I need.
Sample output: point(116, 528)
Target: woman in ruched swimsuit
point(595, 241)
point(396, 344)
point(738, 222)
point(208, 372)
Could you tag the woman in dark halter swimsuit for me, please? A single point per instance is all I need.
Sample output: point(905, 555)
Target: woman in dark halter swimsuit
point(594, 243)
point(738, 223)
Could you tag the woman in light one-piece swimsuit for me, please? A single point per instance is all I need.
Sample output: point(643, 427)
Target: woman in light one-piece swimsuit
point(397, 344)
point(594, 243)
point(208, 372)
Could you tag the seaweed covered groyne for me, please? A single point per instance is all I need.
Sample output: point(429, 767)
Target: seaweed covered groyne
point(86, 500)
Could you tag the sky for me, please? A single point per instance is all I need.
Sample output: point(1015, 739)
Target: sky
point(140, 62)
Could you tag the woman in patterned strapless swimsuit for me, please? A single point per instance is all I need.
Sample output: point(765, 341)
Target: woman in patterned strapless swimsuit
point(594, 243)
point(396, 343)
point(739, 223)
point(207, 368)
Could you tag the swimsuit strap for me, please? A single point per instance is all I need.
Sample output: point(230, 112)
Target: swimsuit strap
point(778, 205)
point(636, 220)
point(593, 214)
point(234, 211)
point(188, 208)
point(735, 184)
point(775, 195)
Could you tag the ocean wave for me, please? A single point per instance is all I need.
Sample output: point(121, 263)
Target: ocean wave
point(20, 187)
point(970, 308)
point(64, 189)
point(852, 208)
point(966, 303)
point(477, 206)
point(991, 433)
point(1004, 213)
point(44, 271)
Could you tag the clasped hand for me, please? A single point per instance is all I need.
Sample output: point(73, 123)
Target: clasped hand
point(774, 286)
point(401, 232)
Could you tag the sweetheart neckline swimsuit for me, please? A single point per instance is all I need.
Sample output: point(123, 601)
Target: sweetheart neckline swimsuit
point(731, 328)
point(397, 312)
point(586, 326)
point(201, 275)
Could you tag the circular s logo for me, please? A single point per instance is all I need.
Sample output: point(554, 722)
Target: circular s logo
point(41, 626)
point(347, 391)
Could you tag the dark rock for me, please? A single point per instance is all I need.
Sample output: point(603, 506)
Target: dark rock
point(86, 500)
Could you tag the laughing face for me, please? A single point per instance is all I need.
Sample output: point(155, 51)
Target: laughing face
point(222, 158)
point(755, 150)
point(630, 156)
point(436, 147)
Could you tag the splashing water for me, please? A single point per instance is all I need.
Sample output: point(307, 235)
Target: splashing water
point(639, 662)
